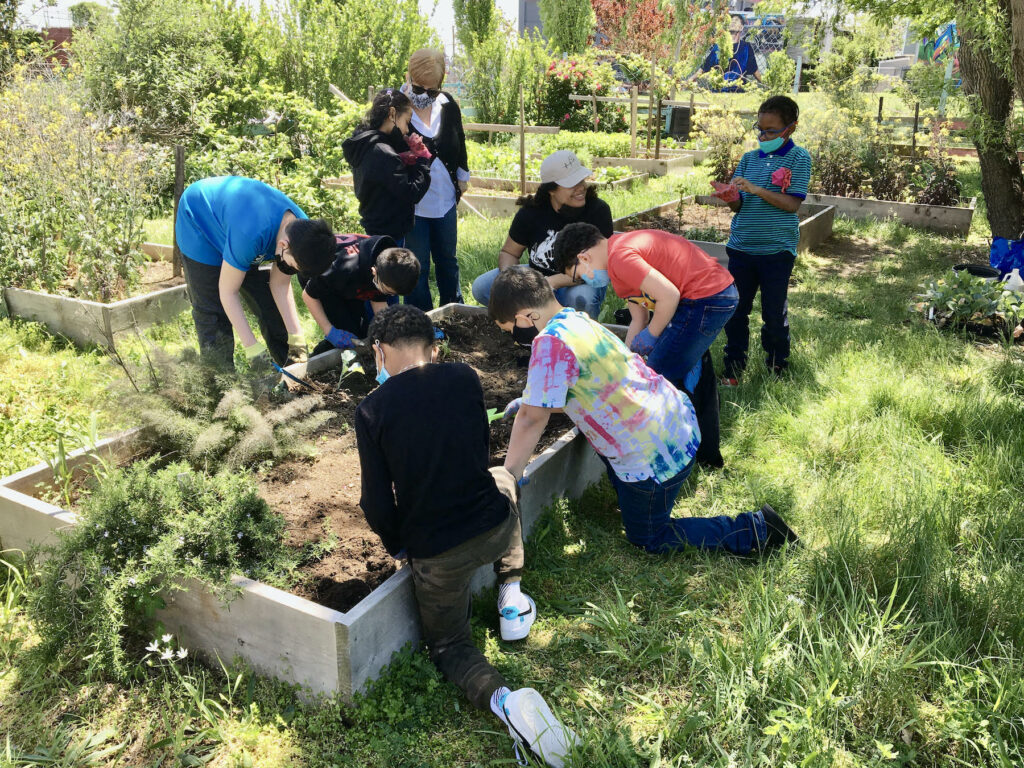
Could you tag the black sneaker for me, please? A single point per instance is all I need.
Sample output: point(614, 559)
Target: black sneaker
point(778, 532)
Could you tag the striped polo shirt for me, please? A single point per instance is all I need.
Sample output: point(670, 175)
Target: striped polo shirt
point(759, 227)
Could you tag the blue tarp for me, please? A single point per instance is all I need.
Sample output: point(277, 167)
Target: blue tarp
point(1007, 255)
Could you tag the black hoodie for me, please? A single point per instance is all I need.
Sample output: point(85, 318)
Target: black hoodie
point(386, 188)
point(348, 283)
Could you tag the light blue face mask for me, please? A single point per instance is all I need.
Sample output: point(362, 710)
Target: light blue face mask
point(383, 375)
point(599, 279)
point(772, 146)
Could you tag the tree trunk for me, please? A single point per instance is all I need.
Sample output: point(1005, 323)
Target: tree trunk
point(991, 87)
point(1017, 43)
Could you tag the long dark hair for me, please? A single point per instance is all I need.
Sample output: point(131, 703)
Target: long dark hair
point(542, 196)
point(381, 109)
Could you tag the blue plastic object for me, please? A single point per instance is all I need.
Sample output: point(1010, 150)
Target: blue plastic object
point(1006, 255)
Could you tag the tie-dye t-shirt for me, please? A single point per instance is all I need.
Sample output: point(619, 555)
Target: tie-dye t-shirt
point(634, 417)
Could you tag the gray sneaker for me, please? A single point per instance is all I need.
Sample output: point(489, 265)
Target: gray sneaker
point(532, 724)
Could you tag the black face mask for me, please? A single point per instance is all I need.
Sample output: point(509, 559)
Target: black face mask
point(286, 269)
point(397, 135)
point(524, 336)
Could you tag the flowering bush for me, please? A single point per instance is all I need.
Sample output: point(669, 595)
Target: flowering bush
point(584, 76)
point(74, 195)
point(588, 144)
point(722, 132)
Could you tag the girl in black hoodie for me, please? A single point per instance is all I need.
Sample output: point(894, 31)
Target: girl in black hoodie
point(391, 169)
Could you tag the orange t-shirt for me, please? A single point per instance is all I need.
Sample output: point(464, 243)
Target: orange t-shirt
point(632, 255)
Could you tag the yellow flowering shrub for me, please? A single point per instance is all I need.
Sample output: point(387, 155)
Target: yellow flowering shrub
point(73, 194)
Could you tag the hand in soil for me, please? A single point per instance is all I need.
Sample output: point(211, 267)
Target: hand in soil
point(727, 193)
point(340, 338)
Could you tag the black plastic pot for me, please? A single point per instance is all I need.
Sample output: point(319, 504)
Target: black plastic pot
point(978, 270)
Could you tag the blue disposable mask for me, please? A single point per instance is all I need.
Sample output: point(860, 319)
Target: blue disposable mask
point(599, 279)
point(383, 375)
point(772, 146)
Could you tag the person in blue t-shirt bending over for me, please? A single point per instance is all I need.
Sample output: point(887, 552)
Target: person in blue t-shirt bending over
point(226, 228)
point(772, 183)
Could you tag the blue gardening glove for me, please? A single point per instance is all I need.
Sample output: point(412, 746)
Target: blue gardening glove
point(438, 334)
point(512, 408)
point(643, 342)
point(341, 339)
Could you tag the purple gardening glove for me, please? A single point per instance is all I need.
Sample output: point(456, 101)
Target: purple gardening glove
point(341, 339)
point(512, 408)
point(643, 342)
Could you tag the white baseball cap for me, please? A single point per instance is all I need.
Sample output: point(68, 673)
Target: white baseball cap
point(563, 168)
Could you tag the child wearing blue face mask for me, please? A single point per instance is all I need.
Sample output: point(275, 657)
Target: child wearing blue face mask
point(772, 181)
point(679, 297)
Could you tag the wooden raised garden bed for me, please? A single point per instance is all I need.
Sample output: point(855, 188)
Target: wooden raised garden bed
point(947, 220)
point(663, 167)
point(815, 222)
point(92, 322)
point(512, 185)
point(326, 650)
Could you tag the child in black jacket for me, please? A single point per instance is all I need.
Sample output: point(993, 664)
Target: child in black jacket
point(390, 167)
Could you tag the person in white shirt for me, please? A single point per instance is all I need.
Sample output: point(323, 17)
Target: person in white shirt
point(438, 119)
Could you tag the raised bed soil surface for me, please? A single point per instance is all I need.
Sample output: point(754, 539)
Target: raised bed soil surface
point(697, 222)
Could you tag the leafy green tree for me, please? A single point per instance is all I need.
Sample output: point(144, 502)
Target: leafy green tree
point(992, 67)
point(475, 20)
point(502, 63)
point(88, 14)
point(153, 62)
point(568, 24)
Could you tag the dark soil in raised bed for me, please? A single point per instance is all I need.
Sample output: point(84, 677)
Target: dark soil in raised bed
point(320, 498)
point(710, 223)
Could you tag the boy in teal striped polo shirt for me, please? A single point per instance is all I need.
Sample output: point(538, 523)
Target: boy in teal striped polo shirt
point(772, 181)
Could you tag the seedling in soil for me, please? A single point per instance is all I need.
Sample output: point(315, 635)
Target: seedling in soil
point(349, 366)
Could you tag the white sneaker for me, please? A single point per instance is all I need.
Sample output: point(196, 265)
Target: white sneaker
point(532, 724)
point(515, 624)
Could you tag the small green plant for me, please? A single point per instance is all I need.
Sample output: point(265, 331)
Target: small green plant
point(959, 298)
point(213, 420)
point(349, 366)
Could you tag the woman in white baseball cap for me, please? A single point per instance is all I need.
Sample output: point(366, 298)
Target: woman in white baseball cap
point(562, 198)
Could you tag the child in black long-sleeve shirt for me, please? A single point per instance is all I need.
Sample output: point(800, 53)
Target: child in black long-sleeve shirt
point(427, 492)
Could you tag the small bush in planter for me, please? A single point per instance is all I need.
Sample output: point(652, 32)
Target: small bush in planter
point(961, 300)
point(144, 530)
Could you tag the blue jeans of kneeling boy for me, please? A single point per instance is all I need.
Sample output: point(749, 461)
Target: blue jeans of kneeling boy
point(582, 298)
point(690, 333)
point(646, 508)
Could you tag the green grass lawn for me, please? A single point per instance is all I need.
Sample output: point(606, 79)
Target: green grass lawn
point(892, 638)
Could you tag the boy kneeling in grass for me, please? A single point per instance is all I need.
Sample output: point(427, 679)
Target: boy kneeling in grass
point(642, 427)
point(423, 440)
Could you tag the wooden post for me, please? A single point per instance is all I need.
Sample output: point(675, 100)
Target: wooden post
point(657, 136)
point(651, 85)
point(913, 137)
point(371, 92)
point(632, 121)
point(522, 142)
point(881, 99)
point(179, 187)
point(593, 101)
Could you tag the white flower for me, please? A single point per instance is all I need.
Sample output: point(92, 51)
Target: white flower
point(167, 638)
point(153, 647)
point(106, 534)
point(182, 653)
point(167, 655)
point(131, 581)
point(239, 534)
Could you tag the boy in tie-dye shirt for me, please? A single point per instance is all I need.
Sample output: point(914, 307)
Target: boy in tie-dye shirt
point(642, 427)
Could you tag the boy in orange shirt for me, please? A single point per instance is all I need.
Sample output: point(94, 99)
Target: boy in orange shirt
point(691, 295)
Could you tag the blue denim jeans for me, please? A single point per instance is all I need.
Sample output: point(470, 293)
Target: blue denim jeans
point(690, 333)
point(582, 298)
point(435, 238)
point(769, 272)
point(646, 508)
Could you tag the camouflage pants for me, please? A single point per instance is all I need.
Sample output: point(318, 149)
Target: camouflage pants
point(442, 586)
